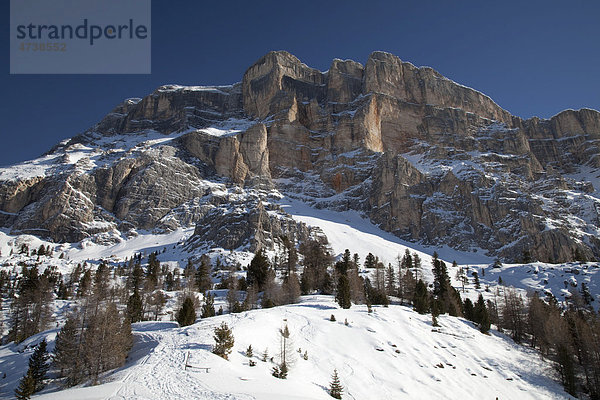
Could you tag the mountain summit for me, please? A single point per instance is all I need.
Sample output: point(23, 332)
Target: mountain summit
point(421, 156)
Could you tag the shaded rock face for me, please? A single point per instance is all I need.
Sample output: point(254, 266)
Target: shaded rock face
point(171, 108)
point(248, 224)
point(421, 156)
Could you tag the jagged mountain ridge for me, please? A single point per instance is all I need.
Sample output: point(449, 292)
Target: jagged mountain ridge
point(421, 156)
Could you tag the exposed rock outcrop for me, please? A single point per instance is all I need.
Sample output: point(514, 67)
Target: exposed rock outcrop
point(420, 155)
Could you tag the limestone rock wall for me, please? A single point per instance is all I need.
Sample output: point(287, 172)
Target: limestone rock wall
point(422, 156)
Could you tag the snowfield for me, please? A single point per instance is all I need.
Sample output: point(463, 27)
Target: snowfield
point(390, 353)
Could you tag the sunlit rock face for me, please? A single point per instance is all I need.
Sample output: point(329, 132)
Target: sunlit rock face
point(418, 154)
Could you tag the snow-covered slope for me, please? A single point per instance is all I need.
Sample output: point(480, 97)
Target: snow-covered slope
point(391, 353)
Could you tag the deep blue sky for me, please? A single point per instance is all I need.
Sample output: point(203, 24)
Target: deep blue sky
point(531, 57)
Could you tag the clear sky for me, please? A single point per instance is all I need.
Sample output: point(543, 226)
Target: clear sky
point(531, 57)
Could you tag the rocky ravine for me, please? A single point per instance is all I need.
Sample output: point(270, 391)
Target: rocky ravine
point(421, 156)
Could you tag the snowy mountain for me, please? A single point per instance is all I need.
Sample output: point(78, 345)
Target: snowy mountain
point(384, 160)
point(420, 156)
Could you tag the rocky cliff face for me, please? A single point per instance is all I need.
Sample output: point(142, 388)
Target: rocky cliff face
point(421, 156)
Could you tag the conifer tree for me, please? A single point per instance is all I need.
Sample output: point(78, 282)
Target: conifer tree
point(290, 289)
point(335, 386)
point(343, 292)
point(85, 284)
point(224, 341)
point(101, 283)
point(26, 388)
point(407, 286)
point(169, 282)
point(136, 280)
point(291, 256)
point(203, 279)
point(482, 315)
point(153, 270)
point(390, 281)
point(187, 313)
point(286, 351)
point(106, 342)
point(468, 309)
point(66, 351)
point(33, 381)
point(370, 261)
point(232, 296)
point(208, 308)
point(316, 261)
point(30, 310)
point(134, 307)
point(39, 363)
point(258, 270)
point(476, 280)
point(421, 298)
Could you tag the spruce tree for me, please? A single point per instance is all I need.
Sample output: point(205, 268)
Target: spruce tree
point(335, 386)
point(39, 363)
point(258, 270)
point(370, 261)
point(26, 388)
point(476, 280)
point(187, 314)
point(343, 292)
point(33, 381)
point(224, 341)
point(390, 281)
point(203, 279)
point(421, 298)
point(208, 308)
point(468, 309)
point(481, 315)
point(66, 351)
point(134, 307)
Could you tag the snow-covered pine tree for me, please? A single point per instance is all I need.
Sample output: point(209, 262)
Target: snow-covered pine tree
point(335, 386)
